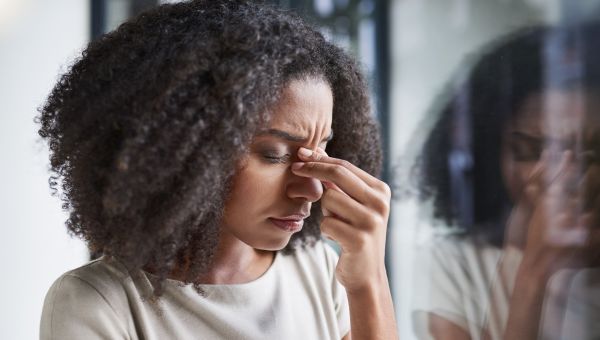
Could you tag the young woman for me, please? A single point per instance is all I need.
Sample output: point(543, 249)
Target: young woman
point(513, 162)
point(189, 148)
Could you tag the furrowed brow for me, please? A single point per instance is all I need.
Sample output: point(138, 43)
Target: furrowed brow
point(290, 137)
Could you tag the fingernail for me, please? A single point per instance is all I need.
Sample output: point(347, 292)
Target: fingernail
point(297, 165)
point(305, 152)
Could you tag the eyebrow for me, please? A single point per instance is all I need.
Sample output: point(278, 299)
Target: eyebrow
point(538, 139)
point(290, 137)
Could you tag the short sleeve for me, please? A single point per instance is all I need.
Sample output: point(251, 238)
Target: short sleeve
point(74, 309)
point(342, 309)
point(437, 288)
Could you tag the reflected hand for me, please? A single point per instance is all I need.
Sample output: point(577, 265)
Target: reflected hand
point(556, 213)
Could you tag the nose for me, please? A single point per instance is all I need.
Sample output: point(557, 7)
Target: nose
point(304, 188)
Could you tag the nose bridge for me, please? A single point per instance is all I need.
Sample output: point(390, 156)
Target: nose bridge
point(304, 188)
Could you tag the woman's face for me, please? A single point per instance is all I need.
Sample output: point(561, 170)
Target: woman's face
point(555, 121)
point(268, 202)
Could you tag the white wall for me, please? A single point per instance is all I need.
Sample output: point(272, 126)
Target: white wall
point(429, 40)
point(37, 40)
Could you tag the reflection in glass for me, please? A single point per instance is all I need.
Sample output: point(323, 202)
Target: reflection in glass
point(512, 161)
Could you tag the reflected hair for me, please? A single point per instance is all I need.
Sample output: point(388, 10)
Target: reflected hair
point(146, 128)
point(459, 165)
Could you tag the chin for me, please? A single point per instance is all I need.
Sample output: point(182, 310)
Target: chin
point(271, 245)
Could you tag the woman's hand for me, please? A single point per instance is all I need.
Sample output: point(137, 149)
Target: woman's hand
point(555, 223)
point(356, 208)
point(561, 218)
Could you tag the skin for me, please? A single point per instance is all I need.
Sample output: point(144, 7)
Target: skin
point(356, 209)
point(551, 174)
point(264, 186)
point(286, 171)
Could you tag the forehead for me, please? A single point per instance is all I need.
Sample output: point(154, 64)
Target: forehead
point(305, 105)
point(559, 113)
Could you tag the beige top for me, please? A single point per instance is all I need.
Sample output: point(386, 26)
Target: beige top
point(458, 279)
point(298, 297)
point(453, 278)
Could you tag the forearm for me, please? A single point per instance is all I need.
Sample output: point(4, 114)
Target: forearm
point(372, 311)
point(516, 299)
point(531, 289)
point(525, 308)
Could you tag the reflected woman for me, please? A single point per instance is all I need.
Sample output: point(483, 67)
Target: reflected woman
point(513, 163)
point(188, 147)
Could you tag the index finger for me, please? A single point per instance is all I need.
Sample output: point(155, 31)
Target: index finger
point(339, 175)
point(320, 155)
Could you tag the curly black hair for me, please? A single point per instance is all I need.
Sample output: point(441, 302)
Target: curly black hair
point(146, 128)
point(459, 167)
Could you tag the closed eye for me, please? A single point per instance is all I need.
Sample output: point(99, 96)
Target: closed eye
point(277, 159)
point(525, 148)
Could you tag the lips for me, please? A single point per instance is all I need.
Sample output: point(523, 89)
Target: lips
point(291, 223)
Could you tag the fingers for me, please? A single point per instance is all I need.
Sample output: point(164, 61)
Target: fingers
point(570, 185)
point(594, 210)
point(534, 183)
point(337, 230)
point(356, 208)
point(563, 226)
point(349, 210)
point(593, 248)
point(307, 155)
point(556, 185)
point(590, 188)
point(566, 230)
point(346, 176)
point(545, 174)
point(342, 177)
point(561, 173)
point(326, 184)
point(533, 192)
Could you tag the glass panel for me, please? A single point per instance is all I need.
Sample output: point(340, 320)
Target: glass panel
point(496, 136)
point(107, 15)
point(355, 25)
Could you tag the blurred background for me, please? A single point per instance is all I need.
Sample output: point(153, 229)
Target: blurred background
point(410, 50)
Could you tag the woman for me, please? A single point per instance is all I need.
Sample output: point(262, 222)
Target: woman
point(519, 176)
point(189, 145)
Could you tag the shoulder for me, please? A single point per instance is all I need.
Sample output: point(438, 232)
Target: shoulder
point(449, 268)
point(84, 300)
point(452, 274)
point(103, 277)
point(457, 250)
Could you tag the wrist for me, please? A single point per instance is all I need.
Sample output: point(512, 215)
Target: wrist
point(374, 284)
point(372, 310)
point(532, 276)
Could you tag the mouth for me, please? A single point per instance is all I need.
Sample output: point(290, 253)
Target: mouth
point(291, 223)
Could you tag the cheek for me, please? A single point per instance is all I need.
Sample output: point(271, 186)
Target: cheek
point(256, 184)
point(514, 173)
point(515, 176)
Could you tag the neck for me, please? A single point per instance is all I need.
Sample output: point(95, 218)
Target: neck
point(234, 262)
